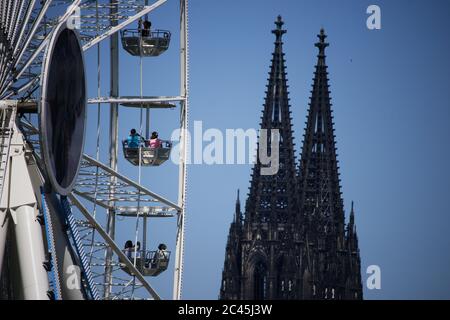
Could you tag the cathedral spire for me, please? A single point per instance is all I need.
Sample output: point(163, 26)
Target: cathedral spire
point(273, 197)
point(321, 205)
point(319, 184)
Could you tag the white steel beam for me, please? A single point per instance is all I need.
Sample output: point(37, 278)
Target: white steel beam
point(184, 92)
point(135, 99)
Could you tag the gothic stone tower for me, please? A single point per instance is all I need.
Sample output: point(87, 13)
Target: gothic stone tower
point(292, 242)
point(332, 270)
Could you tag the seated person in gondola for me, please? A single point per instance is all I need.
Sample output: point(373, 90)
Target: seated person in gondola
point(162, 251)
point(146, 29)
point(128, 250)
point(160, 254)
point(137, 249)
point(154, 141)
point(134, 140)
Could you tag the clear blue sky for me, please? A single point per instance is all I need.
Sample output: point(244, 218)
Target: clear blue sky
point(390, 91)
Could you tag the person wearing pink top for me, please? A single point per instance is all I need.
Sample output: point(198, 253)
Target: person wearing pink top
point(154, 141)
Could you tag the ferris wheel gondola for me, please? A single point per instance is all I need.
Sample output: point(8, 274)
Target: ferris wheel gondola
point(152, 44)
point(147, 156)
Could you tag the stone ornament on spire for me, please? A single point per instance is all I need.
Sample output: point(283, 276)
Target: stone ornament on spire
point(322, 44)
point(279, 30)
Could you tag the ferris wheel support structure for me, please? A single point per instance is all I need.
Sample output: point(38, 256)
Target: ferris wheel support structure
point(97, 192)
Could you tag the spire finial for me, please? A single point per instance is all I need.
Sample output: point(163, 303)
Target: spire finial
point(279, 30)
point(237, 217)
point(322, 44)
point(279, 22)
point(352, 216)
point(352, 212)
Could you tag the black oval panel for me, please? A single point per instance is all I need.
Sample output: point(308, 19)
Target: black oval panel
point(63, 109)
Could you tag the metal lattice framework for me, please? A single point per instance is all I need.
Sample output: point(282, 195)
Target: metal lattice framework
point(25, 29)
point(27, 26)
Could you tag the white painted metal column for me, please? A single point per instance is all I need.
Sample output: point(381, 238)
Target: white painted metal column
point(4, 223)
point(114, 136)
point(22, 205)
point(184, 54)
point(31, 253)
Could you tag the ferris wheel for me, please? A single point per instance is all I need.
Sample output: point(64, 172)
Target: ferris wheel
point(59, 207)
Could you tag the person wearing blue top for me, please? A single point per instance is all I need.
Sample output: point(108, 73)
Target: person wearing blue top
point(134, 139)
